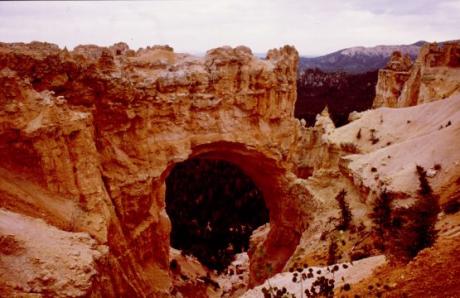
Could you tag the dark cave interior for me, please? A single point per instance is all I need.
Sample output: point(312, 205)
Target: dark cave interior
point(214, 207)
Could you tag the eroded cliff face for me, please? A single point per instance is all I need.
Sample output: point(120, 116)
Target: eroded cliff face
point(434, 75)
point(88, 136)
point(391, 80)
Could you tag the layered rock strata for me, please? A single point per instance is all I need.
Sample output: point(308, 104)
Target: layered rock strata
point(88, 136)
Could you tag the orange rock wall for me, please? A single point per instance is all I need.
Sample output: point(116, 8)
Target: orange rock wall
point(95, 132)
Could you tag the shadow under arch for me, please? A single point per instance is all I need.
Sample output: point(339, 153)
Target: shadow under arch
point(214, 207)
point(273, 180)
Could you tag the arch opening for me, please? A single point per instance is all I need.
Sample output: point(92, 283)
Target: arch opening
point(214, 207)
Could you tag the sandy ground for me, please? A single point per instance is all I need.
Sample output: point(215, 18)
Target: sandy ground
point(389, 143)
point(433, 272)
point(38, 258)
point(19, 194)
point(234, 280)
point(353, 273)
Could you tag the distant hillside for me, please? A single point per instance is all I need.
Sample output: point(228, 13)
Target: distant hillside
point(358, 59)
point(342, 92)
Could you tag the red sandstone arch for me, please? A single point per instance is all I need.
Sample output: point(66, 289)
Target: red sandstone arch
point(108, 141)
point(272, 180)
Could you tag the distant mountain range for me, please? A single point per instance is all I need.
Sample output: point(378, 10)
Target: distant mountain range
point(358, 59)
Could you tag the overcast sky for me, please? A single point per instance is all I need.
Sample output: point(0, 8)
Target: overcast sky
point(313, 27)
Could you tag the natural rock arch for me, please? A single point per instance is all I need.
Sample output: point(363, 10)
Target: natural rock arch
point(275, 184)
point(117, 122)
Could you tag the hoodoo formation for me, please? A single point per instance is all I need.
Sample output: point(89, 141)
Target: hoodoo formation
point(434, 75)
point(91, 139)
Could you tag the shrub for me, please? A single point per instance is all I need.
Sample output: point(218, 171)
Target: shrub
point(425, 188)
point(381, 214)
point(359, 254)
point(406, 231)
point(332, 252)
point(413, 228)
point(382, 209)
point(321, 287)
point(349, 147)
point(345, 211)
point(174, 265)
point(452, 206)
point(374, 140)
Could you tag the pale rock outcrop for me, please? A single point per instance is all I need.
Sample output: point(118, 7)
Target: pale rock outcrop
point(434, 75)
point(399, 62)
point(391, 80)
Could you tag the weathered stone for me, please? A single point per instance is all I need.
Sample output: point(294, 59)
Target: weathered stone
point(95, 131)
point(433, 76)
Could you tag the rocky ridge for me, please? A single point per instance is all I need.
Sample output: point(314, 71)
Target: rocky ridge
point(358, 59)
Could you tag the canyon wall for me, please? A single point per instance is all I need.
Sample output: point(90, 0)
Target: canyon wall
point(87, 138)
point(434, 75)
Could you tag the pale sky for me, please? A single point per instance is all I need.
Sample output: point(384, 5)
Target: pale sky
point(313, 27)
